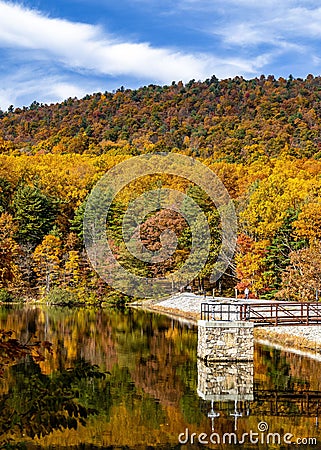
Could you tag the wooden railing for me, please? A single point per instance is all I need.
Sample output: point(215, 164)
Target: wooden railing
point(303, 403)
point(274, 313)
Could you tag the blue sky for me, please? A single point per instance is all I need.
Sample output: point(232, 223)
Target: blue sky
point(52, 50)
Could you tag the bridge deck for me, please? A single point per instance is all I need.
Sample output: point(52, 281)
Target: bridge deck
point(263, 313)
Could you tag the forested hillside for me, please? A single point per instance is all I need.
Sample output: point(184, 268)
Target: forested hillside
point(261, 136)
point(233, 120)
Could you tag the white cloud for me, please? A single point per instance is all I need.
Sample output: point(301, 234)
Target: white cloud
point(82, 46)
point(30, 83)
point(53, 58)
point(299, 21)
point(269, 22)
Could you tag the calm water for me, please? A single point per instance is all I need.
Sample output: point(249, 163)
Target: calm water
point(153, 389)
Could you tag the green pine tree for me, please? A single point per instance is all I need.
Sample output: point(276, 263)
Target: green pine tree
point(34, 212)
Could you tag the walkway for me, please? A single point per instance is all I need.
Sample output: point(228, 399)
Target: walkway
point(263, 312)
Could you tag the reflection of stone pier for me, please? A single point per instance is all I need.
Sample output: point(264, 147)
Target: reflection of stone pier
point(225, 364)
point(225, 341)
point(224, 381)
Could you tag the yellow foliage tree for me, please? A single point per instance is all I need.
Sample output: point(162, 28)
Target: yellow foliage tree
point(9, 251)
point(270, 199)
point(47, 257)
point(308, 224)
point(72, 268)
point(250, 264)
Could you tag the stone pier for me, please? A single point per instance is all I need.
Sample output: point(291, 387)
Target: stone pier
point(225, 341)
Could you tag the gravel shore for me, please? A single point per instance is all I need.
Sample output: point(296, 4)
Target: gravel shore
point(188, 306)
point(301, 337)
point(185, 305)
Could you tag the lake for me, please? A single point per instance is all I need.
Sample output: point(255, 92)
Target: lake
point(131, 379)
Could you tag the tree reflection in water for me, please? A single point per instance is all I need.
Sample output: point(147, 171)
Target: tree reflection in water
point(36, 404)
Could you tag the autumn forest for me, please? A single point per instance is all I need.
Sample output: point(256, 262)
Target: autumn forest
point(262, 137)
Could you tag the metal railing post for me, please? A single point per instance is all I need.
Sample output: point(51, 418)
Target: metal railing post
point(308, 313)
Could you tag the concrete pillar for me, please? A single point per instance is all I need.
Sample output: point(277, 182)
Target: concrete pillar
point(225, 341)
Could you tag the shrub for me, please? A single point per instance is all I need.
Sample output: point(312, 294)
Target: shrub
point(5, 296)
point(59, 296)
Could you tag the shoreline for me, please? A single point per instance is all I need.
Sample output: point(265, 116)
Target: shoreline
point(297, 338)
point(176, 313)
point(185, 308)
point(297, 351)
